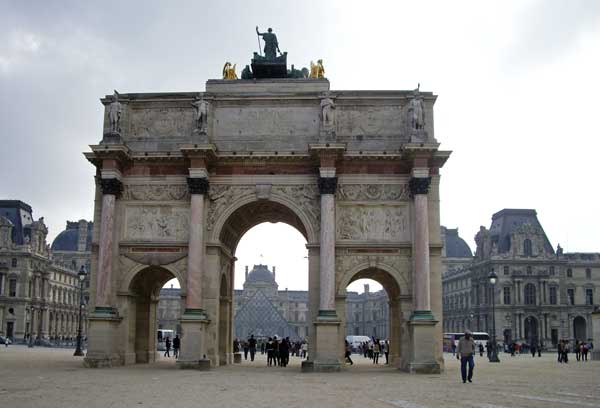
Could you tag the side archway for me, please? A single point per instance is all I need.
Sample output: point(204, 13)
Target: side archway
point(396, 288)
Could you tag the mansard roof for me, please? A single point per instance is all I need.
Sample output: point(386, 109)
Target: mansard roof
point(20, 214)
point(508, 220)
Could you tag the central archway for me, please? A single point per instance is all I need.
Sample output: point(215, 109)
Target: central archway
point(229, 229)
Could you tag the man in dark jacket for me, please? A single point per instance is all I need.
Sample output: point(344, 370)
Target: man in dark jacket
point(176, 346)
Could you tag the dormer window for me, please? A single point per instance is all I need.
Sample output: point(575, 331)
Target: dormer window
point(527, 247)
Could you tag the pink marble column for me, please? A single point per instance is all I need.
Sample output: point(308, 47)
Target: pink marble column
point(111, 189)
point(198, 187)
point(327, 187)
point(419, 187)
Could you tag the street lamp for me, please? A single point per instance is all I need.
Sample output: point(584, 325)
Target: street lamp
point(493, 356)
point(81, 275)
point(30, 342)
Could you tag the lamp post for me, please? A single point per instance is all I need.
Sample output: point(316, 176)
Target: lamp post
point(493, 357)
point(81, 275)
point(471, 316)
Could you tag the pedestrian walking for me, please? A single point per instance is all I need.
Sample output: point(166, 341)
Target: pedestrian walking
point(284, 351)
point(577, 350)
point(176, 346)
point(565, 352)
point(245, 347)
point(386, 351)
point(304, 348)
point(539, 349)
point(167, 347)
point(465, 351)
point(269, 350)
point(533, 350)
point(252, 346)
point(348, 352)
point(480, 350)
point(376, 350)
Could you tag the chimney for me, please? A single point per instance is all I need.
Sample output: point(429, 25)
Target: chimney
point(274, 272)
point(246, 272)
point(83, 233)
point(366, 288)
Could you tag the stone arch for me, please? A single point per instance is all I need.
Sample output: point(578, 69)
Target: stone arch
point(362, 271)
point(128, 276)
point(531, 329)
point(579, 328)
point(140, 310)
point(281, 204)
point(396, 288)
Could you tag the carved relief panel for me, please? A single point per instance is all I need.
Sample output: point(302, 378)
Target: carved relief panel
point(372, 223)
point(156, 223)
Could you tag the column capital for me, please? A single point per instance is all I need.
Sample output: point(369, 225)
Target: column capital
point(197, 185)
point(419, 185)
point(111, 186)
point(327, 185)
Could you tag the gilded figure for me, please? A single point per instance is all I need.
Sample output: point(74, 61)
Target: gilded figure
point(229, 71)
point(317, 70)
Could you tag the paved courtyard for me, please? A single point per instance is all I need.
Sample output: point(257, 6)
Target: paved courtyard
point(41, 377)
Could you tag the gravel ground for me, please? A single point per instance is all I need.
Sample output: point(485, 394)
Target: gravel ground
point(42, 377)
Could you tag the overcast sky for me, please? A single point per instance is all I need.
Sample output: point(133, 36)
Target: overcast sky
point(517, 83)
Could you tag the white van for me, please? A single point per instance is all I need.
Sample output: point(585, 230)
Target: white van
point(357, 341)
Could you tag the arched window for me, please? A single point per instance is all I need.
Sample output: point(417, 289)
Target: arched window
point(527, 247)
point(530, 294)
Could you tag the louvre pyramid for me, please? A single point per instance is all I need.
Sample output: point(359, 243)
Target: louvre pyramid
point(260, 317)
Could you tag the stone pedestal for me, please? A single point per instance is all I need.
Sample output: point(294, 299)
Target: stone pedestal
point(326, 340)
point(193, 331)
point(237, 358)
point(102, 332)
point(422, 353)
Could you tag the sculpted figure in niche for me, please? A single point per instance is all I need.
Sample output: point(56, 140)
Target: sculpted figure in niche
point(328, 112)
point(114, 113)
point(201, 107)
point(416, 111)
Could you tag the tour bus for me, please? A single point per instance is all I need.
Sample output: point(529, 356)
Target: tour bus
point(161, 336)
point(453, 338)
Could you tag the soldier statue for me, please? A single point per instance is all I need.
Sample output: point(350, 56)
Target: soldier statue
point(114, 113)
point(201, 107)
point(416, 112)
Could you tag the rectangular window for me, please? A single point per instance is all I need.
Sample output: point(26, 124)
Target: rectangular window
point(12, 288)
point(571, 296)
point(589, 296)
point(553, 300)
point(552, 271)
point(588, 273)
point(506, 270)
point(1, 284)
point(13, 262)
point(506, 295)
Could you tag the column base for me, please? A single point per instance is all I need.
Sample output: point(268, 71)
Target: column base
point(422, 357)
point(326, 350)
point(193, 345)
point(102, 349)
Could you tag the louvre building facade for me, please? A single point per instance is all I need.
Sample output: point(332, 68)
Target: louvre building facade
point(543, 294)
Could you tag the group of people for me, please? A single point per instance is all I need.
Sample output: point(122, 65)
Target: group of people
point(278, 350)
point(175, 344)
point(580, 348)
point(374, 349)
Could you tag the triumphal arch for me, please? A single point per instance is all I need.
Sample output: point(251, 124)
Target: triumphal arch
point(182, 176)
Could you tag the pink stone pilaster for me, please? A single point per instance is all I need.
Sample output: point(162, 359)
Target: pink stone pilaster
point(195, 253)
point(103, 278)
point(327, 254)
point(422, 272)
